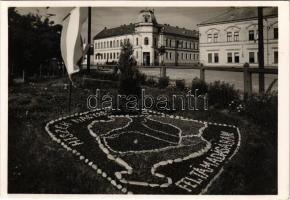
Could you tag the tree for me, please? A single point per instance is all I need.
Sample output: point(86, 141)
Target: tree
point(32, 40)
point(129, 74)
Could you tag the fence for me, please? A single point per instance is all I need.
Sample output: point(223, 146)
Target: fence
point(246, 70)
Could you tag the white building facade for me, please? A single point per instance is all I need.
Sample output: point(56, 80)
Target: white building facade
point(232, 39)
point(147, 38)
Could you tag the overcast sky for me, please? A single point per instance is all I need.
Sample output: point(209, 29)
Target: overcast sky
point(116, 16)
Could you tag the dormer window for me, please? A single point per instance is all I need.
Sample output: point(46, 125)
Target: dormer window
point(215, 37)
point(251, 35)
point(236, 36)
point(229, 36)
point(209, 38)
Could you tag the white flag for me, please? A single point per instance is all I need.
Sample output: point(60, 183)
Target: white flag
point(71, 42)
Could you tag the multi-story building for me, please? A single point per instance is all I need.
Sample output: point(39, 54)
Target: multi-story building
point(231, 39)
point(148, 38)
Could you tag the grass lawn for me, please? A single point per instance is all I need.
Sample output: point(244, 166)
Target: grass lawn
point(36, 164)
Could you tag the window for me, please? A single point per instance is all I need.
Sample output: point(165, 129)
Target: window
point(251, 35)
point(237, 57)
point(136, 41)
point(170, 55)
point(110, 55)
point(209, 58)
point(114, 43)
point(236, 36)
point(229, 36)
point(146, 41)
point(230, 57)
point(216, 57)
point(209, 38)
point(182, 56)
point(107, 56)
point(276, 33)
point(155, 42)
point(251, 57)
point(166, 42)
point(104, 56)
point(166, 55)
point(170, 43)
point(186, 56)
point(107, 44)
point(114, 55)
point(275, 57)
point(215, 37)
point(190, 56)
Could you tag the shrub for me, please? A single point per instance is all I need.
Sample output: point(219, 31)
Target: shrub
point(163, 82)
point(200, 85)
point(221, 94)
point(142, 77)
point(151, 82)
point(180, 84)
point(263, 109)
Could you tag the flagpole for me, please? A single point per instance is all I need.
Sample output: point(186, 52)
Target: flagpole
point(89, 40)
point(69, 96)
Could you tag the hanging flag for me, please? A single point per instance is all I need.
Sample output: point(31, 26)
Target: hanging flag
point(71, 42)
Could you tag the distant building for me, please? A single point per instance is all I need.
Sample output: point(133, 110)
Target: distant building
point(147, 38)
point(231, 38)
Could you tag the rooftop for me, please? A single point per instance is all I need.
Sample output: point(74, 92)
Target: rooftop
point(238, 14)
point(130, 29)
point(120, 30)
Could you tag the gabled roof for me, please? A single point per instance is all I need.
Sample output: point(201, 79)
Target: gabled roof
point(239, 14)
point(120, 30)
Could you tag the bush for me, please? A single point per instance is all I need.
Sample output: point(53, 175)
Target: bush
point(221, 94)
point(180, 84)
point(163, 82)
point(263, 109)
point(142, 77)
point(103, 75)
point(151, 82)
point(200, 85)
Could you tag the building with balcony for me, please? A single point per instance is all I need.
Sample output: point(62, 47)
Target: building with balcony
point(231, 38)
point(180, 45)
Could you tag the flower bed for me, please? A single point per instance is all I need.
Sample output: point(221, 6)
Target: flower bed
point(151, 153)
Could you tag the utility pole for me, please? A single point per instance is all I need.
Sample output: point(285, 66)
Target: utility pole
point(89, 40)
point(261, 50)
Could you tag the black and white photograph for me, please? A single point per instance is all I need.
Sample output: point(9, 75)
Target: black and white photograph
point(146, 98)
